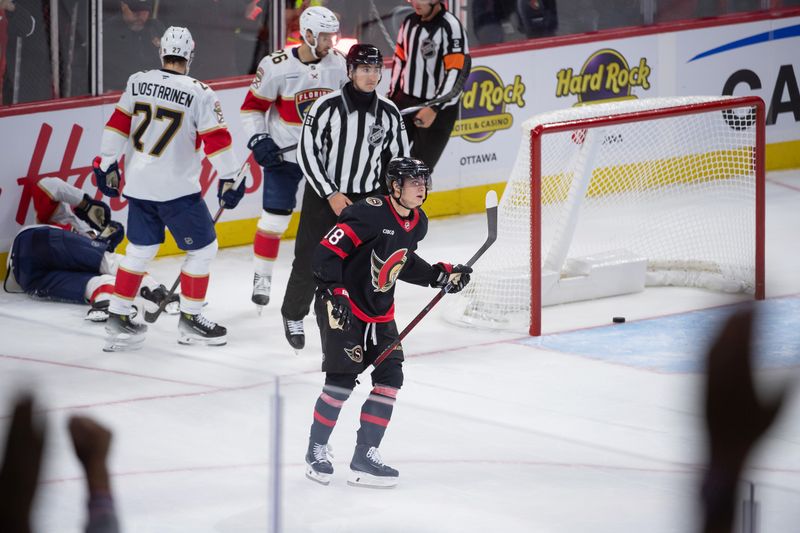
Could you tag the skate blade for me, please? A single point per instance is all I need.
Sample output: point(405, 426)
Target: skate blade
point(313, 475)
point(259, 309)
point(188, 341)
point(123, 345)
point(362, 479)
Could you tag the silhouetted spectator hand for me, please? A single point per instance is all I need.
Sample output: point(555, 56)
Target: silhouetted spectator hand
point(736, 418)
point(19, 471)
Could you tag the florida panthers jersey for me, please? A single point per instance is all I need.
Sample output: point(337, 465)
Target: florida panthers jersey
point(160, 123)
point(284, 89)
point(369, 248)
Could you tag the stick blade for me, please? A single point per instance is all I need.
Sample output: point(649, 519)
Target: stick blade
point(491, 199)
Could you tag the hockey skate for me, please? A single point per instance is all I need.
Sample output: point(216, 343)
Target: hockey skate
point(99, 311)
point(123, 333)
point(367, 469)
point(151, 300)
point(295, 333)
point(261, 288)
point(318, 462)
point(194, 329)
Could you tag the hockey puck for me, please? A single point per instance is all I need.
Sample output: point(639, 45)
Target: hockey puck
point(619, 319)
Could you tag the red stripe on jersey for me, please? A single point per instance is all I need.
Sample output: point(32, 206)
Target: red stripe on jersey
point(266, 245)
point(120, 122)
point(127, 283)
point(361, 315)
point(335, 249)
point(372, 419)
point(215, 140)
point(254, 103)
point(350, 233)
point(322, 420)
point(288, 111)
point(330, 400)
point(385, 390)
point(102, 289)
point(194, 287)
point(406, 224)
point(43, 204)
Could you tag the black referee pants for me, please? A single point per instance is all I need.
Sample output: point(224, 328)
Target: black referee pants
point(427, 144)
point(316, 218)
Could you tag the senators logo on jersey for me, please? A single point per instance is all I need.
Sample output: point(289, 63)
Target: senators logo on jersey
point(303, 100)
point(356, 354)
point(384, 273)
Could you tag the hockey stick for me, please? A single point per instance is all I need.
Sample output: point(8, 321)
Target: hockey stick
point(244, 171)
point(454, 91)
point(491, 221)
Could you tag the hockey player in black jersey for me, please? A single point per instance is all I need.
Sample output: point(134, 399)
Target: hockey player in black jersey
point(356, 266)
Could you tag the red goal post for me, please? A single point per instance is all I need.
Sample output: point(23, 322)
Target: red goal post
point(619, 196)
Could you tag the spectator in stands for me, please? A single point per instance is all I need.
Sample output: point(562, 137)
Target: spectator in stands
point(130, 43)
point(15, 21)
point(22, 459)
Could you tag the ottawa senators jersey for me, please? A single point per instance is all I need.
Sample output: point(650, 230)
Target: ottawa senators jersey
point(367, 251)
point(284, 89)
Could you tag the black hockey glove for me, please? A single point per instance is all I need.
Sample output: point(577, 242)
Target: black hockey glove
point(95, 213)
point(112, 235)
point(457, 276)
point(265, 151)
point(108, 181)
point(337, 301)
point(228, 195)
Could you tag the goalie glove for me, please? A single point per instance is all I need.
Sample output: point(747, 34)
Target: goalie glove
point(107, 181)
point(457, 276)
point(112, 235)
point(228, 195)
point(94, 212)
point(337, 302)
point(265, 151)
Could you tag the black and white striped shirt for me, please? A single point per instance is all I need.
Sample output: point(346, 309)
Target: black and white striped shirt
point(345, 150)
point(428, 57)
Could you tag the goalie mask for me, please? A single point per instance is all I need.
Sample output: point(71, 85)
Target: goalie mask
point(177, 42)
point(401, 169)
point(318, 20)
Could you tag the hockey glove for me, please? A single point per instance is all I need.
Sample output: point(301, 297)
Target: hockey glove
point(337, 301)
point(95, 213)
point(108, 181)
point(265, 151)
point(228, 195)
point(112, 235)
point(457, 276)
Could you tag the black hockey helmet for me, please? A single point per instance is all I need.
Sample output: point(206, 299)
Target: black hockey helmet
point(401, 168)
point(363, 54)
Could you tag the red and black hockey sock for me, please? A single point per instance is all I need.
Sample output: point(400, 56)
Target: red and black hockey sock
point(326, 412)
point(375, 415)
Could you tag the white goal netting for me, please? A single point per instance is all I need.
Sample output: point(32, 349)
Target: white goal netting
point(677, 190)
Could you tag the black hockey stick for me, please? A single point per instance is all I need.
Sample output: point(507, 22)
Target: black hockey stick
point(452, 93)
point(244, 171)
point(491, 221)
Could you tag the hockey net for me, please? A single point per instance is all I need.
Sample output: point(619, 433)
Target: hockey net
point(663, 191)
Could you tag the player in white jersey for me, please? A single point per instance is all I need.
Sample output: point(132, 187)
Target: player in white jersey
point(285, 86)
point(160, 122)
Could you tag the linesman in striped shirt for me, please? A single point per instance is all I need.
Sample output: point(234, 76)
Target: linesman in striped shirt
point(347, 139)
point(430, 53)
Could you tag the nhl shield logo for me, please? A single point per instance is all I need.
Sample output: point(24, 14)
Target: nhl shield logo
point(376, 134)
point(428, 48)
point(356, 354)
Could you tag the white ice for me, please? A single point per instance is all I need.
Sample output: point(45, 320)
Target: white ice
point(488, 434)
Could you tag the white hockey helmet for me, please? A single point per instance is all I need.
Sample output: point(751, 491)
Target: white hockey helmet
point(318, 19)
point(178, 42)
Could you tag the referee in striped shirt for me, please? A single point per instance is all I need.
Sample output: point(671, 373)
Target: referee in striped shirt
point(347, 139)
point(430, 53)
